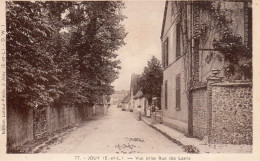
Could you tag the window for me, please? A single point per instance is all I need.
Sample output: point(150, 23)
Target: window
point(166, 60)
point(178, 40)
point(166, 94)
point(172, 6)
point(178, 92)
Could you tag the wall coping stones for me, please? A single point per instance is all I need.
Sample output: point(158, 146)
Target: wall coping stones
point(199, 87)
point(232, 84)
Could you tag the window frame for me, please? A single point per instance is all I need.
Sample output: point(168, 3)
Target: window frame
point(178, 92)
point(166, 94)
point(178, 39)
point(166, 52)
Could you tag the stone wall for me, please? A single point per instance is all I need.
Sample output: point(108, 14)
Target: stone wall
point(200, 112)
point(20, 121)
point(222, 112)
point(232, 113)
point(65, 116)
point(19, 126)
point(100, 109)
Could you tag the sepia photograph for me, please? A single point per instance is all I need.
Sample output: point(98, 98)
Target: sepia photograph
point(129, 77)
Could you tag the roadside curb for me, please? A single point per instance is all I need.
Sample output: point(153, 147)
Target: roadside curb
point(178, 142)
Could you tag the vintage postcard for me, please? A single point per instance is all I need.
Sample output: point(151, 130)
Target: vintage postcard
point(129, 80)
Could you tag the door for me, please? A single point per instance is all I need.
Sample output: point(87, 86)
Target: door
point(39, 121)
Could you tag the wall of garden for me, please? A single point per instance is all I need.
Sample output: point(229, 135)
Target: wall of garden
point(20, 122)
point(222, 113)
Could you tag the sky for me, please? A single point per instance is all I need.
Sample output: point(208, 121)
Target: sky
point(143, 25)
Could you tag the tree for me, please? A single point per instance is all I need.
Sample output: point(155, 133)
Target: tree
point(95, 35)
point(46, 65)
point(30, 67)
point(152, 79)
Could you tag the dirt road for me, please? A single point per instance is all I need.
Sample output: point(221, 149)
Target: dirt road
point(117, 132)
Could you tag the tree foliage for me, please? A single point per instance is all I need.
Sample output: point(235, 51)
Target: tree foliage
point(62, 51)
point(152, 79)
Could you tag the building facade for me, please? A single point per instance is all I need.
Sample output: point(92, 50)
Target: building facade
point(118, 96)
point(125, 102)
point(134, 88)
point(189, 31)
point(140, 100)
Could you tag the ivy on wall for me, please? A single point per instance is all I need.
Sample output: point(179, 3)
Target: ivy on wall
point(235, 52)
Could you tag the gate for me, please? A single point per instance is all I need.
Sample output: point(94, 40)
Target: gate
point(39, 121)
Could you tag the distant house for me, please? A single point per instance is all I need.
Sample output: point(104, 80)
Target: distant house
point(125, 102)
point(118, 96)
point(188, 57)
point(134, 88)
point(140, 100)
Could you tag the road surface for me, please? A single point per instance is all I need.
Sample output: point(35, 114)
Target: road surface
point(117, 132)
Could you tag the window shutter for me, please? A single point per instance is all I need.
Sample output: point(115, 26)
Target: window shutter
point(166, 94)
point(178, 43)
point(178, 92)
point(172, 6)
point(163, 55)
point(166, 52)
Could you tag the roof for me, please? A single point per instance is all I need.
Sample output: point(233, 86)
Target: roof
point(126, 99)
point(139, 94)
point(119, 95)
point(134, 83)
point(164, 18)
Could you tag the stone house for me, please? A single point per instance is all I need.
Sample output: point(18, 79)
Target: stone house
point(189, 57)
point(125, 102)
point(118, 96)
point(134, 88)
point(141, 100)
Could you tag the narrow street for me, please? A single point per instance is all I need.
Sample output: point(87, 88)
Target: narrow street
point(73, 72)
point(117, 132)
